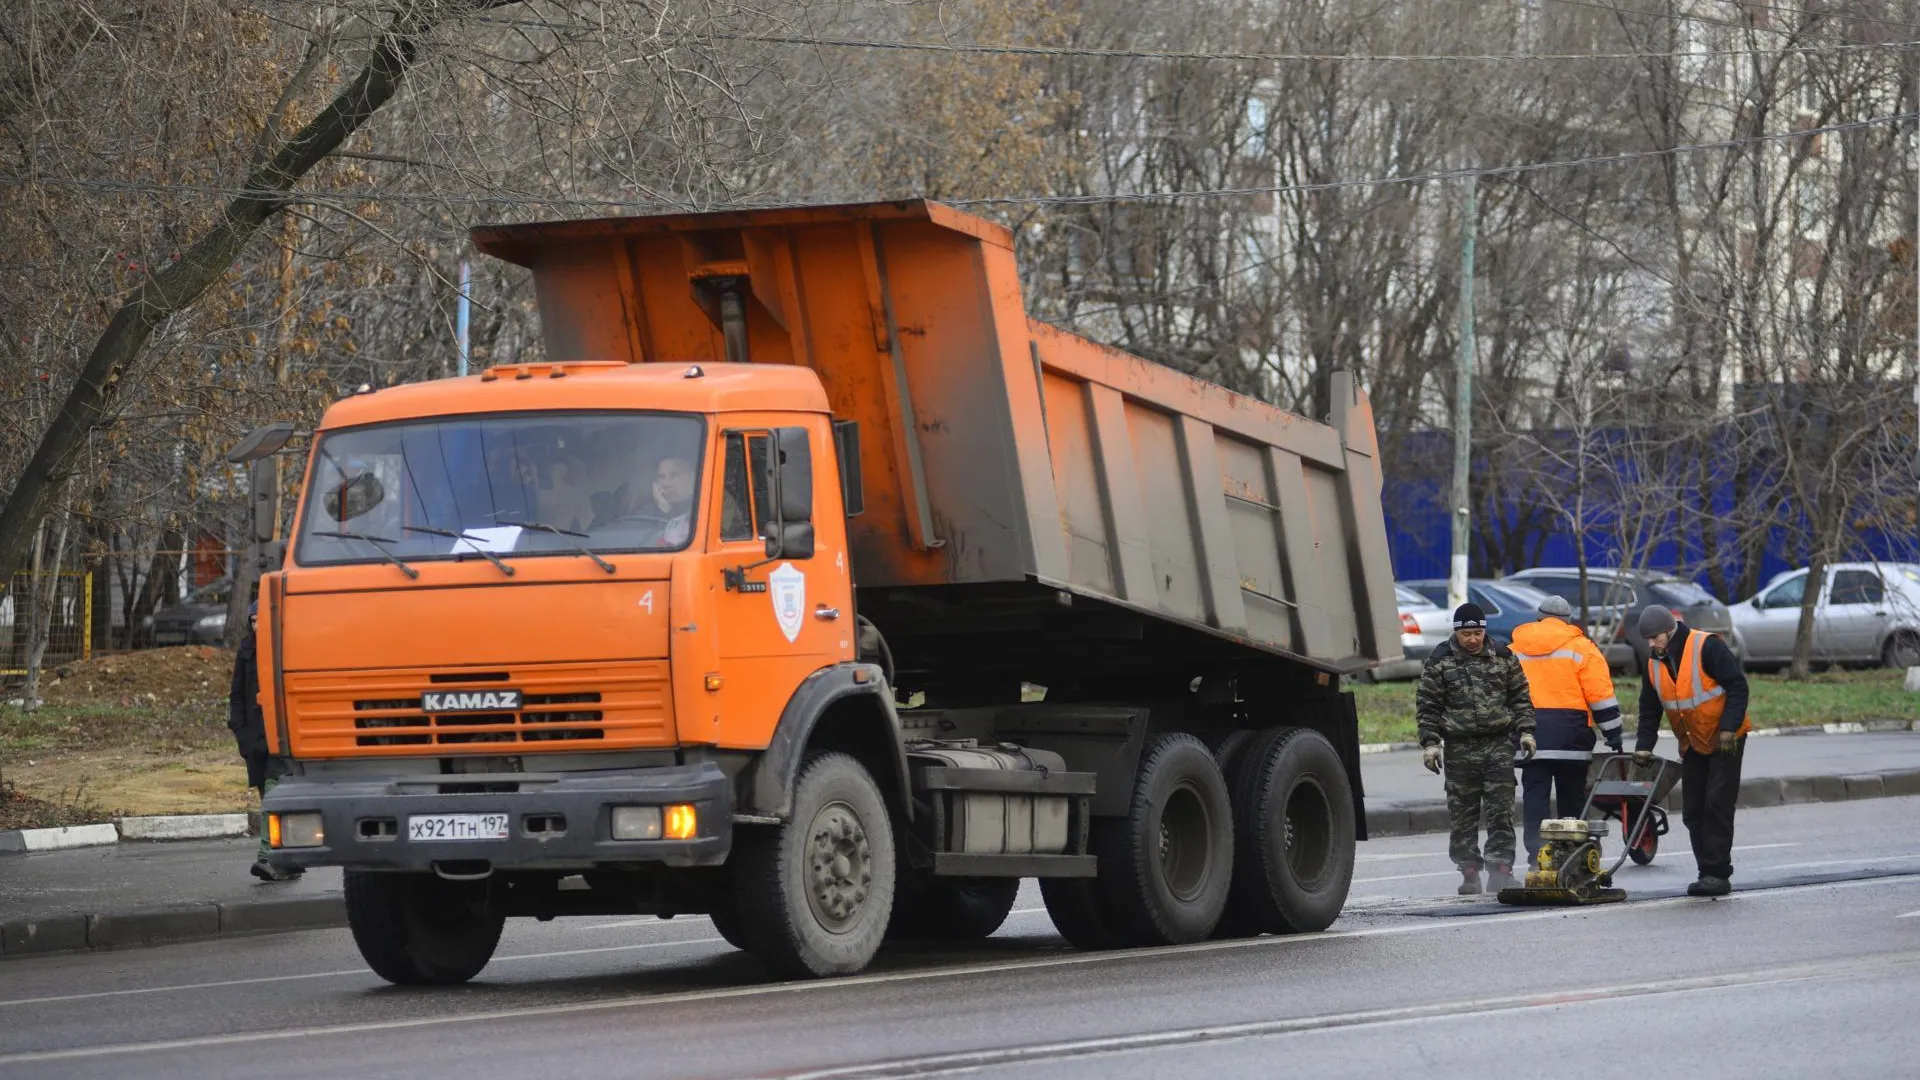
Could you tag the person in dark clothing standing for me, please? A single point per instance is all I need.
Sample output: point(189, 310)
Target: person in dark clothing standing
point(249, 726)
point(1696, 682)
point(1472, 706)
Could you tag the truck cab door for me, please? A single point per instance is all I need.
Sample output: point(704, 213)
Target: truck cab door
point(781, 612)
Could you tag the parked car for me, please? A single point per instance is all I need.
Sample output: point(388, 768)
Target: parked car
point(1423, 625)
point(1867, 613)
point(200, 619)
point(1507, 603)
point(1615, 599)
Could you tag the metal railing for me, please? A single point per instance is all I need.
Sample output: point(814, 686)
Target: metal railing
point(69, 631)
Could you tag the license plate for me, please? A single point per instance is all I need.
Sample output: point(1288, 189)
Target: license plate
point(457, 827)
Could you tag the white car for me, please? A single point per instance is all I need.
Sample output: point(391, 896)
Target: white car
point(1867, 613)
point(1423, 625)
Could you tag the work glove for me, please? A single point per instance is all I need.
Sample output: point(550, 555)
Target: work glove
point(1527, 747)
point(1430, 757)
point(1616, 745)
point(1729, 742)
point(1643, 757)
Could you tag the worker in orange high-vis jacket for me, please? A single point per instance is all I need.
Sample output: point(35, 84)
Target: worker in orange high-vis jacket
point(1573, 698)
point(1696, 682)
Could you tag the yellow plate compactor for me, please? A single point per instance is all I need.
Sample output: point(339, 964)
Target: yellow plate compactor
point(1568, 869)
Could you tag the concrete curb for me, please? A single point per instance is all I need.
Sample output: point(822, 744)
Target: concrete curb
point(141, 829)
point(1430, 815)
point(1855, 727)
point(162, 926)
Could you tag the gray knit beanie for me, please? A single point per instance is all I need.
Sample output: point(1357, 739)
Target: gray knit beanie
point(1656, 620)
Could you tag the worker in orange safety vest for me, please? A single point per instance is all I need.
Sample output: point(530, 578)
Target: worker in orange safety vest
point(1573, 697)
point(1694, 680)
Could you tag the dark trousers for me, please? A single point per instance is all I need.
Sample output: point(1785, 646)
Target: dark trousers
point(1709, 787)
point(1540, 781)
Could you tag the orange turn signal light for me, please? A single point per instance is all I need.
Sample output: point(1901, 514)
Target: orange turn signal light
point(682, 822)
point(713, 684)
point(273, 830)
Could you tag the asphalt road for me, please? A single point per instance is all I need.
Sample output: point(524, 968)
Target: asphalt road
point(1813, 968)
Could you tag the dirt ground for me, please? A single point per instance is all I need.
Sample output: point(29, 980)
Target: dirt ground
point(182, 676)
point(124, 734)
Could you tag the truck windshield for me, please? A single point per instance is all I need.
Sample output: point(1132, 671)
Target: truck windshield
point(544, 483)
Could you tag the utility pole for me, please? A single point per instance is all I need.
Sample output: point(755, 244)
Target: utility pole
point(464, 305)
point(1463, 407)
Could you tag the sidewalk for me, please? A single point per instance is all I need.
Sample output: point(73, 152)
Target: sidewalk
point(1403, 797)
point(133, 894)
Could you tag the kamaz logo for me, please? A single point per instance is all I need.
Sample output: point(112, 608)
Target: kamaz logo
point(443, 701)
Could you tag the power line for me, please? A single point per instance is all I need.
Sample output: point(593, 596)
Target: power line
point(362, 195)
point(1440, 175)
point(1005, 49)
point(1750, 5)
point(965, 47)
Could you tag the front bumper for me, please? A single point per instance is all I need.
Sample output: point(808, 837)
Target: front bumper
point(365, 820)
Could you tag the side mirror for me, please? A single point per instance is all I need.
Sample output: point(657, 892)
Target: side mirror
point(272, 555)
point(261, 442)
point(262, 479)
point(793, 540)
point(792, 475)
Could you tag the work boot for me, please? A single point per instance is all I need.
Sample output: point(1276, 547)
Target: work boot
point(1469, 882)
point(1708, 885)
point(265, 872)
point(1500, 877)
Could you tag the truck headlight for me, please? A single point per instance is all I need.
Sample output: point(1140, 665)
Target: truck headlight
point(636, 823)
point(295, 830)
point(211, 622)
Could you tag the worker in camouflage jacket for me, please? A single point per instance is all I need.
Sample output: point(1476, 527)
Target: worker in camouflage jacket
point(1476, 717)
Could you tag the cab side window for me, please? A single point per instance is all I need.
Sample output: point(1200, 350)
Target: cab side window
point(745, 506)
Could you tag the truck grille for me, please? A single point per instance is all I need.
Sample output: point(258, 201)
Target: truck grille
point(538, 721)
point(347, 713)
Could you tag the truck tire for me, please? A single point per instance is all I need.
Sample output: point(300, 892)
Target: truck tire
point(421, 930)
point(1078, 909)
point(928, 908)
point(818, 890)
point(1293, 828)
point(727, 922)
point(1166, 867)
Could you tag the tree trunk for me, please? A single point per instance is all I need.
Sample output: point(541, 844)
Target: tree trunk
point(1809, 603)
point(175, 288)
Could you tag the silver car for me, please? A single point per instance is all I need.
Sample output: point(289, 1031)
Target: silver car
point(1423, 625)
point(1867, 613)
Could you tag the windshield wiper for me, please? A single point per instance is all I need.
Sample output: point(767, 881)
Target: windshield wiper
point(471, 542)
point(378, 543)
point(570, 536)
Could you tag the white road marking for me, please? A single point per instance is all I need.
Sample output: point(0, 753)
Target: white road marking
point(1909, 915)
point(1760, 847)
point(855, 982)
point(970, 1061)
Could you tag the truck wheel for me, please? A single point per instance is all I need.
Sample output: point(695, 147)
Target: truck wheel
point(818, 890)
point(1293, 830)
point(928, 908)
point(1078, 909)
point(1166, 866)
point(419, 929)
point(727, 921)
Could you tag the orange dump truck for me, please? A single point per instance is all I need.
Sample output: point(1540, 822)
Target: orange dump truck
point(805, 582)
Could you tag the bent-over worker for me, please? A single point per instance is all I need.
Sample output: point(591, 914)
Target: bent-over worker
point(1694, 678)
point(1472, 704)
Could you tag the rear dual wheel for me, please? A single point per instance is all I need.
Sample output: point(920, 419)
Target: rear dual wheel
point(1165, 867)
point(1293, 833)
